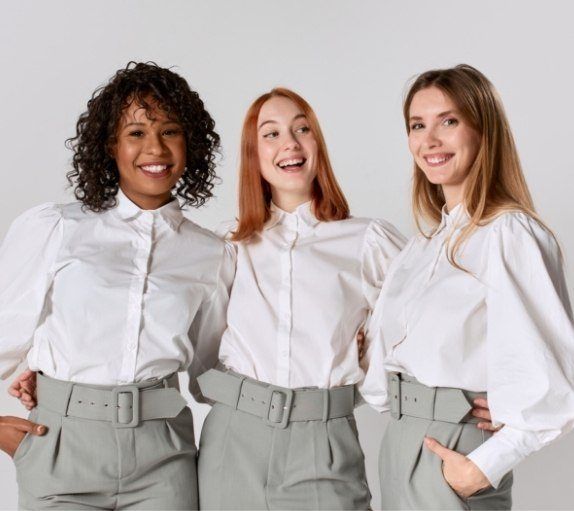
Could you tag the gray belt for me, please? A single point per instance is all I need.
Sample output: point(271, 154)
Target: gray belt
point(125, 406)
point(277, 406)
point(409, 397)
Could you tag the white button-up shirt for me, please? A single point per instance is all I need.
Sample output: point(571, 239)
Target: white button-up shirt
point(109, 298)
point(302, 290)
point(504, 327)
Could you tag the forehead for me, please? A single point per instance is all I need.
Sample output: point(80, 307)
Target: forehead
point(150, 112)
point(279, 109)
point(430, 101)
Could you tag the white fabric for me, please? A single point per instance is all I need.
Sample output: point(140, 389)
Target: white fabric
point(302, 290)
point(505, 328)
point(114, 297)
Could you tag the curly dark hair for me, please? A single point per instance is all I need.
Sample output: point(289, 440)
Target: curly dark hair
point(95, 175)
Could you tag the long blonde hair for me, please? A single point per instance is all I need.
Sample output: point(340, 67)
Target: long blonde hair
point(495, 183)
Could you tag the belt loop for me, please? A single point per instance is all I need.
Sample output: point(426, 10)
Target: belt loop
point(239, 390)
point(326, 405)
point(434, 392)
point(67, 397)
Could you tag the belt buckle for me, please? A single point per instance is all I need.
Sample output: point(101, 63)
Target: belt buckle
point(285, 405)
point(134, 391)
point(395, 394)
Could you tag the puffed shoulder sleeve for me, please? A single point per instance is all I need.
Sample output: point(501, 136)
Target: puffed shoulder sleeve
point(381, 244)
point(225, 229)
point(530, 344)
point(27, 257)
point(210, 322)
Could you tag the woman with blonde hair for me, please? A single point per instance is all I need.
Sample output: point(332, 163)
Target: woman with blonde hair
point(281, 434)
point(475, 307)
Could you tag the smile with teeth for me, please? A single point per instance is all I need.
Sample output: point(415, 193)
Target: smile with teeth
point(291, 164)
point(154, 169)
point(435, 160)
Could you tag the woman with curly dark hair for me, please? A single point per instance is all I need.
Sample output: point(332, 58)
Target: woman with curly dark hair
point(109, 297)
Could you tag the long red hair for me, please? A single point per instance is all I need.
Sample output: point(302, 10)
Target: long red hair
point(329, 203)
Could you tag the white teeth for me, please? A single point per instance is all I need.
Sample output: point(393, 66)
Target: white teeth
point(154, 168)
point(435, 159)
point(286, 163)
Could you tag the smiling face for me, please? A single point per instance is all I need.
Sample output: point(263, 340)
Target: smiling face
point(150, 154)
point(442, 143)
point(287, 152)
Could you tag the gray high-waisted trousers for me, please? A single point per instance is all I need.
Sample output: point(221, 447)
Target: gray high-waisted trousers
point(411, 475)
point(92, 464)
point(245, 463)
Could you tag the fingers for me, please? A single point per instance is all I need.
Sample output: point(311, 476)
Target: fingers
point(482, 413)
point(440, 450)
point(24, 425)
point(488, 426)
point(27, 400)
point(480, 402)
point(25, 381)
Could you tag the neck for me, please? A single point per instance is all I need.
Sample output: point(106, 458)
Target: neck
point(453, 196)
point(147, 202)
point(289, 202)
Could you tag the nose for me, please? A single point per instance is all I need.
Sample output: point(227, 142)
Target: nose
point(154, 145)
point(291, 142)
point(432, 139)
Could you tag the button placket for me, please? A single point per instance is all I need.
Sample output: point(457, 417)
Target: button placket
point(143, 244)
point(285, 306)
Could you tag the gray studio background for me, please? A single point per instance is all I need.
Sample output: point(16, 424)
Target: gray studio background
point(351, 60)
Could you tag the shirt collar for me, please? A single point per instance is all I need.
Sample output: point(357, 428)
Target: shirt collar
point(300, 219)
point(170, 213)
point(454, 219)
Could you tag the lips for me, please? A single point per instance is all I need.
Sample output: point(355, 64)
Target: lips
point(291, 164)
point(436, 160)
point(156, 170)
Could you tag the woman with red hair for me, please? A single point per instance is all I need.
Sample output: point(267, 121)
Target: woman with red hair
point(281, 434)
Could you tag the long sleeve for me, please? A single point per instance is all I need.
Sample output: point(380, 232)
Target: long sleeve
point(210, 322)
point(27, 257)
point(530, 345)
point(383, 243)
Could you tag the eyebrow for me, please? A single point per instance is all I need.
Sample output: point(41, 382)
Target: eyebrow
point(271, 121)
point(442, 114)
point(134, 123)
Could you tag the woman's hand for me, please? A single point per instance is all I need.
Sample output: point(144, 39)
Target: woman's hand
point(361, 343)
point(13, 430)
point(482, 411)
point(24, 389)
point(461, 474)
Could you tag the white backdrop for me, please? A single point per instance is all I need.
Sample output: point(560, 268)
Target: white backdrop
point(351, 60)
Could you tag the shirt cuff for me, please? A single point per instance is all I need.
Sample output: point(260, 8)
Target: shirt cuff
point(503, 451)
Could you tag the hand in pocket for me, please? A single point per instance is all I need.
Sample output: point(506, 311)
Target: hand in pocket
point(14, 429)
point(461, 474)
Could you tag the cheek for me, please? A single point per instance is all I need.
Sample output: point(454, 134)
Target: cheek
point(413, 145)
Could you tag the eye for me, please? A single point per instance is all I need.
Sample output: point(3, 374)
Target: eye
point(271, 134)
point(303, 129)
point(136, 133)
point(417, 126)
point(171, 132)
point(450, 121)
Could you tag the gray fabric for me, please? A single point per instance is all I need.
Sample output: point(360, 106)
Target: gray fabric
point(278, 405)
point(245, 463)
point(409, 397)
point(87, 464)
point(124, 405)
point(411, 475)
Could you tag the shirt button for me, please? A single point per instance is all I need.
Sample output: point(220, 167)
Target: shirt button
point(131, 347)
